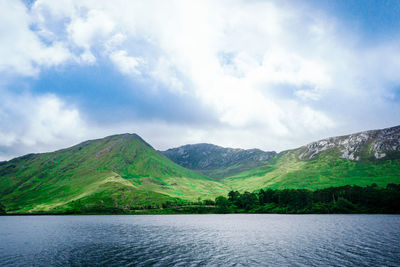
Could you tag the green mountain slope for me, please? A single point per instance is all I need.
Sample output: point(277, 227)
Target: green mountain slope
point(124, 172)
point(218, 162)
point(357, 159)
point(287, 171)
point(119, 171)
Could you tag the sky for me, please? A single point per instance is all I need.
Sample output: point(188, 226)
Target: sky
point(273, 75)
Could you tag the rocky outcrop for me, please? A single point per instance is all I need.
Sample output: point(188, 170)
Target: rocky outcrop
point(377, 144)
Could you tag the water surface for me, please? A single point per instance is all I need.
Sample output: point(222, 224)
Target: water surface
point(192, 240)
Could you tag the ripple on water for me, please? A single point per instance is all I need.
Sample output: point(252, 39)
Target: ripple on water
point(198, 240)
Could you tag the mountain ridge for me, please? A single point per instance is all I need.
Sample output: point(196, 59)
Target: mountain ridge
point(124, 172)
point(217, 161)
point(381, 142)
point(333, 161)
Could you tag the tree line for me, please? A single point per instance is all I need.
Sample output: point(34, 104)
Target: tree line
point(343, 199)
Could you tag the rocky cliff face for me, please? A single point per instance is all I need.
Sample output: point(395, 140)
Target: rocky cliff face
point(375, 144)
point(216, 161)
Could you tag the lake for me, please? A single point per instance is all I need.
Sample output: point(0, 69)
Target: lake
point(192, 240)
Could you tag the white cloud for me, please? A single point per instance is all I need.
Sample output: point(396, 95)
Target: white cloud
point(274, 74)
point(126, 64)
point(114, 42)
point(37, 124)
point(95, 27)
point(87, 57)
point(84, 31)
point(165, 72)
point(21, 51)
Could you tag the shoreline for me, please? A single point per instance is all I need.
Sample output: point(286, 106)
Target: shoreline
point(244, 213)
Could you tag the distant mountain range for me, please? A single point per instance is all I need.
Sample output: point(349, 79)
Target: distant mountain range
point(124, 172)
point(218, 162)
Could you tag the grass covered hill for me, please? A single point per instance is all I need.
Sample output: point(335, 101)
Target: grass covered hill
point(123, 172)
point(120, 171)
point(358, 159)
point(288, 171)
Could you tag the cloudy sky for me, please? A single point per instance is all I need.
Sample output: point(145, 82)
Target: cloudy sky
point(268, 74)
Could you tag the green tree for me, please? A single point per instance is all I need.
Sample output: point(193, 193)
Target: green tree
point(261, 197)
point(222, 204)
point(248, 200)
point(344, 206)
point(234, 197)
point(209, 202)
point(2, 209)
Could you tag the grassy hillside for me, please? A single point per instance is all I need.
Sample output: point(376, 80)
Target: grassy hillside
point(287, 171)
point(120, 171)
point(124, 172)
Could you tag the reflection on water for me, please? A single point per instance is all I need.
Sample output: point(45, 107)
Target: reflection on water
point(184, 240)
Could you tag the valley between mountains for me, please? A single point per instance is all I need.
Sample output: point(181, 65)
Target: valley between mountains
point(124, 172)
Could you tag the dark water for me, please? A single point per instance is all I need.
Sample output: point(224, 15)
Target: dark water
point(191, 240)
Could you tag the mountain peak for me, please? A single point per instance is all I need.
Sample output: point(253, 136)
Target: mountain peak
point(119, 171)
point(373, 144)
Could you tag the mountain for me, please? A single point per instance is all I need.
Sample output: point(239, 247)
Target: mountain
point(120, 171)
point(368, 145)
point(357, 159)
point(123, 172)
point(218, 162)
